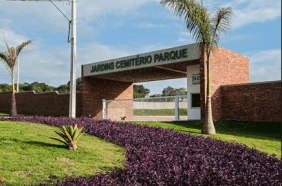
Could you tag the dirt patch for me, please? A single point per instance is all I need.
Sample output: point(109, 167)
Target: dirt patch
point(23, 174)
point(64, 160)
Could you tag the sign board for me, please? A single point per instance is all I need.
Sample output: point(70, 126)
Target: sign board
point(195, 79)
point(167, 56)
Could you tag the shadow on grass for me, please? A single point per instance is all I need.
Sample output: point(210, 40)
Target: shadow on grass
point(258, 130)
point(43, 144)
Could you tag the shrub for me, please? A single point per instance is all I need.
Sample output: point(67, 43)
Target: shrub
point(157, 156)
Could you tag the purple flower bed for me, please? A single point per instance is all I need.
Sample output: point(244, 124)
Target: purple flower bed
point(157, 156)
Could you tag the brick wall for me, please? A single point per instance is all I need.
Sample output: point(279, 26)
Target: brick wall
point(252, 102)
point(226, 67)
point(119, 109)
point(94, 90)
point(45, 104)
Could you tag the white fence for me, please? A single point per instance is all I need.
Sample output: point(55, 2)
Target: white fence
point(125, 108)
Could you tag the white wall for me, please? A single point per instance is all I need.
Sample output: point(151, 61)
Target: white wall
point(158, 105)
point(193, 113)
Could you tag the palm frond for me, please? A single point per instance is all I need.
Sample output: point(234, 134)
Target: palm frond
point(22, 46)
point(13, 57)
point(195, 16)
point(4, 57)
point(5, 41)
point(220, 23)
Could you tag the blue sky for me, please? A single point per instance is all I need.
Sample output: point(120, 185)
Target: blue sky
point(108, 29)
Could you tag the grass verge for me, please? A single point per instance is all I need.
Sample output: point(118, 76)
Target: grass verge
point(158, 112)
point(264, 136)
point(28, 155)
point(2, 113)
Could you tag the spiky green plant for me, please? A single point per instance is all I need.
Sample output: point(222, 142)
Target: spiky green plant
point(70, 136)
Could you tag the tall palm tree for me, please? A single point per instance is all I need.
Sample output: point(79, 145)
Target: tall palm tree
point(9, 59)
point(205, 29)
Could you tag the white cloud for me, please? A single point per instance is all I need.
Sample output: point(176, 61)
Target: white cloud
point(265, 65)
point(185, 37)
point(38, 62)
point(250, 11)
point(36, 15)
point(44, 16)
point(150, 25)
point(95, 52)
point(52, 64)
point(227, 39)
point(91, 9)
point(12, 39)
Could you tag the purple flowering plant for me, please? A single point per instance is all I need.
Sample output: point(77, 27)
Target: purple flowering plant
point(157, 156)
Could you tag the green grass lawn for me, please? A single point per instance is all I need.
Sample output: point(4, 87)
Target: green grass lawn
point(2, 113)
point(28, 155)
point(158, 112)
point(264, 136)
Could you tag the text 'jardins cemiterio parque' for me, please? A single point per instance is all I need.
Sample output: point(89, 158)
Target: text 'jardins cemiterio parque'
point(137, 61)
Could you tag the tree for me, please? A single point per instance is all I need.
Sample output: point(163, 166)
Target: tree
point(155, 95)
point(5, 87)
point(40, 87)
point(205, 29)
point(139, 91)
point(63, 89)
point(156, 100)
point(169, 91)
point(9, 59)
point(180, 91)
point(78, 85)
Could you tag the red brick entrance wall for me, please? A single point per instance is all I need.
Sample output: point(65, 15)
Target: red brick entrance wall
point(226, 67)
point(94, 90)
point(252, 102)
point(119, 109)
point(45, 104)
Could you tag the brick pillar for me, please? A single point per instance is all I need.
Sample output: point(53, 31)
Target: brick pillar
point(94, 90)
point(226, 67)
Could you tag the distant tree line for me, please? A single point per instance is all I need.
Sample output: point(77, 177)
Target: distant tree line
point(170, 91)
point(41, 87)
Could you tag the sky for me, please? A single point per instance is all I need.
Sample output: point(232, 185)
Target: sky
point(109, 29)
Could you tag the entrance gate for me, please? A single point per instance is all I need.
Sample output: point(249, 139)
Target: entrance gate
point(170, 108)
point(113, 79)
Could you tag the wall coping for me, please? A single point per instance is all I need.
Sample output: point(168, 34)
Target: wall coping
point(231, 51)
point(254, 83)
point(56, 92)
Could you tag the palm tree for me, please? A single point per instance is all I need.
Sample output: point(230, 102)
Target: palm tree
point(9, 59)
point(205, 29)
